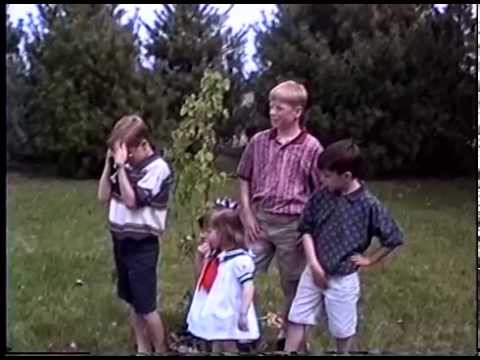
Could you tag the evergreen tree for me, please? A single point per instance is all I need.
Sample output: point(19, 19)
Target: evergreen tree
point(16, 90)
point(393, 77)
point(85, 71)
point(186, 40)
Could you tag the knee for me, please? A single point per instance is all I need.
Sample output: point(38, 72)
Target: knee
point(342, 333)
point(293, 326)
point(289, 288)
point(148, 317)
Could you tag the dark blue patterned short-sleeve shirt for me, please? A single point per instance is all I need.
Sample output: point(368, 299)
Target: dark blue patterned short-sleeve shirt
point(344, 225)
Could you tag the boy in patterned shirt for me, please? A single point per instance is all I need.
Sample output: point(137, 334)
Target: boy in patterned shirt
point(337, 227)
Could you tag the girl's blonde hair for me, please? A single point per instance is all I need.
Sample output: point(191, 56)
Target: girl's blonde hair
point(131, 130)
point(229, 226)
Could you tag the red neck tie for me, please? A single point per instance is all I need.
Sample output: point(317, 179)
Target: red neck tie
point(209, 273)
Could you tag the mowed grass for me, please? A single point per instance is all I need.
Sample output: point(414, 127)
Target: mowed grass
point(423, 300)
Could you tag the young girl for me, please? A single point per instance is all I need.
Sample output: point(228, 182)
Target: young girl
point(222, 310)
point(203, 249)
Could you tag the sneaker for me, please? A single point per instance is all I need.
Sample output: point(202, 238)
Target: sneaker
point(259, 345)
point(280, 344)
point(244, 347)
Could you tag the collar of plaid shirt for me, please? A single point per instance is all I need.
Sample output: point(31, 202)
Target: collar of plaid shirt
point(299, 139)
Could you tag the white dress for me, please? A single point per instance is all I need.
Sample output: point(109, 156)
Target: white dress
point(214, 315)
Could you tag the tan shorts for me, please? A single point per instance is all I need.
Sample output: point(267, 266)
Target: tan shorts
point(280, 237)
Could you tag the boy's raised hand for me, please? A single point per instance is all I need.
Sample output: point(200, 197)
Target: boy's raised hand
point(120, 154)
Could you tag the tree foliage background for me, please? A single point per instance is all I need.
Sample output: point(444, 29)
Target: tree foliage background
point(399, 79)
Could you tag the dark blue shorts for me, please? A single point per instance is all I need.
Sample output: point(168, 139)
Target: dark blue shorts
point(136, 263)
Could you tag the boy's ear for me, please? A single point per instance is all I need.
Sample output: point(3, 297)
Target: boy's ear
point(299, 111)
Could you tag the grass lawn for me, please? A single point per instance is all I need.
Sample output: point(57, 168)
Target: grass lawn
point(423, 300)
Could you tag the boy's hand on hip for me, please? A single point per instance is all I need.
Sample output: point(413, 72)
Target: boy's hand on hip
point(320, 278)
point(243, 323)
point(361, 261)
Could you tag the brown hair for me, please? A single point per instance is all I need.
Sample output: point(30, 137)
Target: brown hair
point(130, 129)
point(343, 156)
point(229, 226)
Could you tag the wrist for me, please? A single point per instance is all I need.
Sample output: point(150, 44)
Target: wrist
point(246, 210)
point(314, 265)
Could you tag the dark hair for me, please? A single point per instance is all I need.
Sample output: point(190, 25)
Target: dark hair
point(250, 131)
point(202, 221)
point(343, 156)
point(229, 226)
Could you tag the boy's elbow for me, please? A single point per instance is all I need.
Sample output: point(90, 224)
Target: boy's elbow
point(397, 249)
point(130, 201)
point(400, 243)
point(131, 204)
point(102, 199)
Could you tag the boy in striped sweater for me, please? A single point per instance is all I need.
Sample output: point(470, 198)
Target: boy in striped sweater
point(137, 191)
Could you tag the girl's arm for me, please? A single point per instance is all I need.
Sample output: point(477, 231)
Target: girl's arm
point(200, 256)
point(248, 290)
point(198, 264)
point(203, 250)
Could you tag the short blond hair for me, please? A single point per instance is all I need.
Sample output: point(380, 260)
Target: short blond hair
point(290, 91)
point(130, 129)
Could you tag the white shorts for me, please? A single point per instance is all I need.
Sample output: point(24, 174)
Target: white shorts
point(340, 303)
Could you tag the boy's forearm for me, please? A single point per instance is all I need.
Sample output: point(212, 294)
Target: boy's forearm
point(247, 296)
point(310, 254)
point(126, 190)
point(245, 195)
point(104, 186)
point(380, 254)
